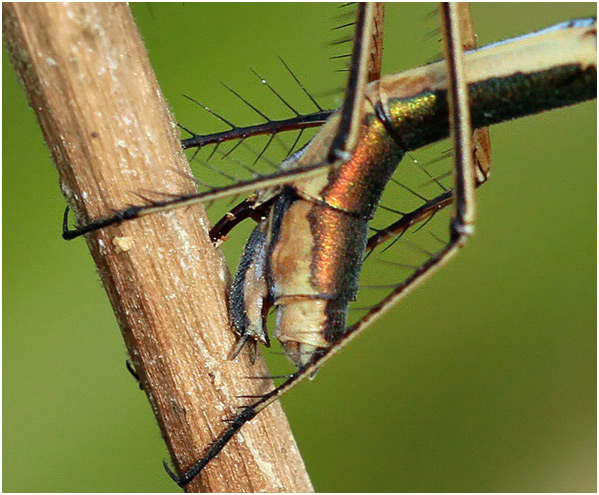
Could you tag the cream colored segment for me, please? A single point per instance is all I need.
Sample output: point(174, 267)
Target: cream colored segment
point(305, 355)
point(567, 46)
point(302, 321)
point(292, 255)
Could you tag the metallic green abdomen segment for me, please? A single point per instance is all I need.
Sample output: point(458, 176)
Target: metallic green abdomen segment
point(340, 227)
point(357, 185)
point(422, 119)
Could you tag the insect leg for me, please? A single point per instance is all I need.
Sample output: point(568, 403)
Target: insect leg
point(276, 179)
point(361, 69)
point(299, 122)
point(461, 129)
point(245, 209)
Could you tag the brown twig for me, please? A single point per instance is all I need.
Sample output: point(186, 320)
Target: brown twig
point(106, 123)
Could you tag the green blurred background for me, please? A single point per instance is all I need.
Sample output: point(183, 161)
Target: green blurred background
point(483, 380)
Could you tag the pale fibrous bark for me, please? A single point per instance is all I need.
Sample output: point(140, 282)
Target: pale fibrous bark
point(112, 139)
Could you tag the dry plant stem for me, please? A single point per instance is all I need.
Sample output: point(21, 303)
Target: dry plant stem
point(106, 123)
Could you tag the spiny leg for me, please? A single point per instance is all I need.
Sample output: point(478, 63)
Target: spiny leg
point(299, 122)
point(249, 186)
